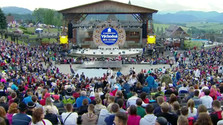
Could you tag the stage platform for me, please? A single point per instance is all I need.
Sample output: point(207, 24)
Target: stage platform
point(102, 64)
point(92, 73)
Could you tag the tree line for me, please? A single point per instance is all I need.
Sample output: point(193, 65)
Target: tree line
point(40, 15)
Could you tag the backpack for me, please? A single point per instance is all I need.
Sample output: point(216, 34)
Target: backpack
point(69, 100)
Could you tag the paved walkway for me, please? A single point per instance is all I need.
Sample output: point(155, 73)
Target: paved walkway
point(65, 68)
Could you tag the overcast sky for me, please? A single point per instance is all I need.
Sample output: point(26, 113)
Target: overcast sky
point(161, 5)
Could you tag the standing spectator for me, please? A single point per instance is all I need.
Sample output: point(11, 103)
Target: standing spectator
point(133, 118)
point(69, 117)
point(37, 118)
point(21, 118)
point(150, 80)
point(207, 100)
point(149, 118)
point(89, 118)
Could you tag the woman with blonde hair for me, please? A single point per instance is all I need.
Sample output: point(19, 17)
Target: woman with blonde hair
point(49, 105)
point(38, 118)
point(3, 115)
point(13, 108)
point(214, 93)
point(192, 111)
point(2, 121)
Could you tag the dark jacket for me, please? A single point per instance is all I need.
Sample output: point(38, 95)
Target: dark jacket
point(83, 109)
point(109, 120)
point(215, 117)
point(21, 119)
point(52, 118)
point(171, 117)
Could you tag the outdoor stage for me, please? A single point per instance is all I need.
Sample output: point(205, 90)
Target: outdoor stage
point(109, 23)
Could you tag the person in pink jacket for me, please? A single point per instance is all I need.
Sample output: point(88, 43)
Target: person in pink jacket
point(133, 118)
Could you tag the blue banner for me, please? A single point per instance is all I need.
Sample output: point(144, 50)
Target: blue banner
point(109, 36)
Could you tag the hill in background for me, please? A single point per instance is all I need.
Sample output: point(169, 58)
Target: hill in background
point(18, 13)
point(16, 10)
point(188, 17)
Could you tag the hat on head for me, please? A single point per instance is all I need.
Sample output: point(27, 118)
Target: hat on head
point(69, 91)
point(31, 105)
point(22, 106)
point(161, 120)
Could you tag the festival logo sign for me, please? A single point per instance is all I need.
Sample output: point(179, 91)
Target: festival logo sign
point(109, 33)
point(109, 36)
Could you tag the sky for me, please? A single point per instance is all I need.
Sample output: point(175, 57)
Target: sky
point(161, 5)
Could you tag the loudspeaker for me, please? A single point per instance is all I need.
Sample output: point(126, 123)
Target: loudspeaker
point(144, 31)
point(70, 30)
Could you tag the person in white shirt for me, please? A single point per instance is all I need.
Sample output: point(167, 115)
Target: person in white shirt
point(192, 111)
point(132, 80)
point(164, 70)
point(69, 117)
point(207, 100)
point(132, 100)
point(197, 73)
point(184, 88)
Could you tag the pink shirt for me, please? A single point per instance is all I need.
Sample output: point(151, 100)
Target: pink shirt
point(133, 120)
point(9, 117)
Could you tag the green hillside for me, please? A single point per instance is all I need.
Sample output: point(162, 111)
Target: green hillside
point(206, 26)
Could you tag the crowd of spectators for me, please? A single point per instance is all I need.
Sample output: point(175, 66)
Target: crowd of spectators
point(34, 91)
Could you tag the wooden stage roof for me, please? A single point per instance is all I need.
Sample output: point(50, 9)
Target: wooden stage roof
point(108, 7)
